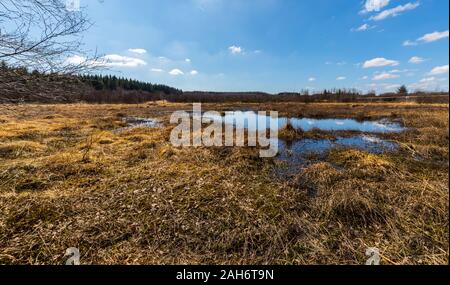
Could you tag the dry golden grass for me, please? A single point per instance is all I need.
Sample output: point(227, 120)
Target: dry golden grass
point(69, 179)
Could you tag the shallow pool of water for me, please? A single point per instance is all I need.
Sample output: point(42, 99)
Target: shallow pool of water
point(143, 122)
point(381, 126)
point(295, 154)
point(368, 143)
point(253, 121)
point(133, 122)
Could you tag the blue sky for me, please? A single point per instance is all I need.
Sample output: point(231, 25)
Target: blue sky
point(274, 45)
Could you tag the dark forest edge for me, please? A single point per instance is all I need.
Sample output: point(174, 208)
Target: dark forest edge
point(18, 85)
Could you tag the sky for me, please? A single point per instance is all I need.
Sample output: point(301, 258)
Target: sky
point(274, 45)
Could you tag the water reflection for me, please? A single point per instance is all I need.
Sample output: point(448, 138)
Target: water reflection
point(143, 122)
point(295, 154)
point(134, 122)
point(253, 121)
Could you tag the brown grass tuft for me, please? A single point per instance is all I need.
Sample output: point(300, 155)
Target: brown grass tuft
point(289, 133)
point(20, 149)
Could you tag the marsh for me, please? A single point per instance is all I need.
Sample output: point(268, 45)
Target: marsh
point(68, 179)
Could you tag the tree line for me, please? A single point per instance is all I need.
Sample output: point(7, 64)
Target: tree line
point(112, 83)
point(17, 84)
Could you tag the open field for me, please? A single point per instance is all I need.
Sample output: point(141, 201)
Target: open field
point(68, 178)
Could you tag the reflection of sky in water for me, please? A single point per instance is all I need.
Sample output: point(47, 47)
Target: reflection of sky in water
point(368, 143)
point(143, 122)
point(252, 121)
point(139, 123)
point(293, 154)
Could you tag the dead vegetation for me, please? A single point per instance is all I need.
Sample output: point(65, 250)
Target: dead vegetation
point(68, 179)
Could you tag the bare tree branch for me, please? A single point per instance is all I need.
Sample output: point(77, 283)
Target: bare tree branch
point(42, 35)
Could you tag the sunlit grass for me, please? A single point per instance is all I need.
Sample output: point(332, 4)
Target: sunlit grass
point(68, 179)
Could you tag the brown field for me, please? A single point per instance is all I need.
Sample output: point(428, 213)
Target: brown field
point(67, 179)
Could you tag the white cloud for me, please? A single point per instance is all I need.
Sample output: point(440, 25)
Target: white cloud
point(341, 78)
point(430, 83)
point(112, 60)
point(187, 60)
point(194, 72)
point(435, 36)
point(428, 79)
point(374, 5)
point(409, 43)
point(157, 70)
point(439, 70)
point(400, 71)
point(75, 60)
point(380, 61)
point(416, 60)
point(391, 87)
point(384, 76)
point(365, 77)
point(395, 11)
point(137, 50)
point(311, 79)
point(81, 60)
point(362, 28)
point(383, 87)
point(122, 61)
point(176, 72)
point(235, 49)
point(428, 38)
point(338, 63)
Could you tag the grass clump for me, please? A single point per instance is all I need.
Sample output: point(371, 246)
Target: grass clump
point(362, 164)
point(18, 149)
point(317, 177)
point(290, 133)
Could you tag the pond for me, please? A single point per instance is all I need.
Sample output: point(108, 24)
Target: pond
point(134, 122)
point(295, 154)
point(253, 121)
point(363, 142)
point(143, 122)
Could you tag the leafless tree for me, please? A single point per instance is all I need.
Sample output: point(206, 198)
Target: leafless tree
point(45, 36)
point(42, 35)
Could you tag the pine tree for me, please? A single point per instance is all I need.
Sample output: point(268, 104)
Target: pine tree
point(402, 90)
